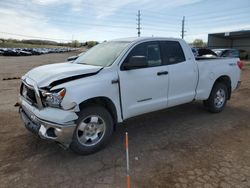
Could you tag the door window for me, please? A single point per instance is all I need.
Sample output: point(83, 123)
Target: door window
point(172, 52)
point(150, 50)
point(235, 53)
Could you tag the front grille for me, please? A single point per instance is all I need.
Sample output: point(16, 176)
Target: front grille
point(28, 93)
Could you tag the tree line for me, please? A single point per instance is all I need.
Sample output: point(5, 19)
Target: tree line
point(74, 43)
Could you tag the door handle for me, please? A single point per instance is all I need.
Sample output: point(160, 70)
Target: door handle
point(115, 81)
point(162, 73)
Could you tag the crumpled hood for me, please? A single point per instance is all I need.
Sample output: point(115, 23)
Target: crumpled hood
point(47, 74)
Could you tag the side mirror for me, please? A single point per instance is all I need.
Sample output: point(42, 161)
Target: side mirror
point(135, 62)
point(72, 58)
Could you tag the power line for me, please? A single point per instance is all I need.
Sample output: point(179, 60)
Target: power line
point(219, 31)
point(35, 37)
point(88, 4)
point(115, 26)
point(153, 13)
point(154, 21)
point(108, 8)
point(161, 20)
point(199, 13)
point(202, 22)
point(219, 18)
point(206, 19)
point(148, 26)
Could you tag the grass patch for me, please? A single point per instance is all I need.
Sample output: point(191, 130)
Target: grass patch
point(246, 63)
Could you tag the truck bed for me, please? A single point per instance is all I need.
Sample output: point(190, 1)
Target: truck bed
point(208, 58)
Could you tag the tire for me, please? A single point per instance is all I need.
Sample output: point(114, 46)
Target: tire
point(217, 99)
point(93, 131)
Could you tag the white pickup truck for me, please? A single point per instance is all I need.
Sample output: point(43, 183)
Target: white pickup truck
point(78, 103)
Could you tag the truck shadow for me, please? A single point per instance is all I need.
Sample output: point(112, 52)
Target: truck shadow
point(158, 129)
point(168, 135)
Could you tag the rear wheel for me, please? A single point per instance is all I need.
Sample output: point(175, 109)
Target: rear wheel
point(93, 131)
point(217, 99)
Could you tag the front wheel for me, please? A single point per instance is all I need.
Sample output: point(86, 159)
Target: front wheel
point(217, 99)
point(93, 131)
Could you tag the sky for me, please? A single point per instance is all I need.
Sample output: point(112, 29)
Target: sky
point(84, 20)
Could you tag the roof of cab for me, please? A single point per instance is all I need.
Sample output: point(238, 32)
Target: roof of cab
point(137, 39)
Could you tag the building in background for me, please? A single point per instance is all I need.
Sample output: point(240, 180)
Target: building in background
point(237, 39)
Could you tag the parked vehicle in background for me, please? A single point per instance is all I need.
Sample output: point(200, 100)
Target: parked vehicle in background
point(195, 52)
point(21, 52)
point(32, 51)
point(243, 54)
point(203, 52)
point(79, 103)
point(227, 52)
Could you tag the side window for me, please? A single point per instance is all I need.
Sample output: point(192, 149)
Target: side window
point(172, 52)
point(153, 55)
point(150, 50)
point(235, 53)
point(226, 53)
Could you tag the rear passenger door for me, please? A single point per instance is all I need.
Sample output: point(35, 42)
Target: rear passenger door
point(183, 73)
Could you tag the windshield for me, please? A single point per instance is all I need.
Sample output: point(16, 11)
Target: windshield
point(103, 54)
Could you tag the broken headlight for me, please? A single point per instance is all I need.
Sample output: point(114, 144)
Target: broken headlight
point(53, 98)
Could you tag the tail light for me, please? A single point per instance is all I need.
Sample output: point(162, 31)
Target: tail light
point(240, 64)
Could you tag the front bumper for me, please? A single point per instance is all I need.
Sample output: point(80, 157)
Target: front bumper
point(46, 129)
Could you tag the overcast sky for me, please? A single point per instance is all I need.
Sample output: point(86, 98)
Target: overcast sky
point(64, 20)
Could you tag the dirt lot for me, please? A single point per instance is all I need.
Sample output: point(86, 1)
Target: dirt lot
point(183, 146)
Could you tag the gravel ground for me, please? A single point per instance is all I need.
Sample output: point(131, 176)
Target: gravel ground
point(184, 146)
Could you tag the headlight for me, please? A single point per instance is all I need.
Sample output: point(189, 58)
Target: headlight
point(53, 98)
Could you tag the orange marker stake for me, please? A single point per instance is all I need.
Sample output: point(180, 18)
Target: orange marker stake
point(127, 159)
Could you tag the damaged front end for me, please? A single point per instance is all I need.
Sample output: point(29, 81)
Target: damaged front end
point(46, 108)
point(41, 113)
point(61, 133)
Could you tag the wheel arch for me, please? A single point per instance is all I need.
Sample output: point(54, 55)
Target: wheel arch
point(225, 79)
point(102, 101)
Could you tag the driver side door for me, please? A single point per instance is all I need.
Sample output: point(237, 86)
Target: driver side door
point(144, 89)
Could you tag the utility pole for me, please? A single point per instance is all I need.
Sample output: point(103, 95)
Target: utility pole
point(139, 23)
point(72, 41)
point(183, 27)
